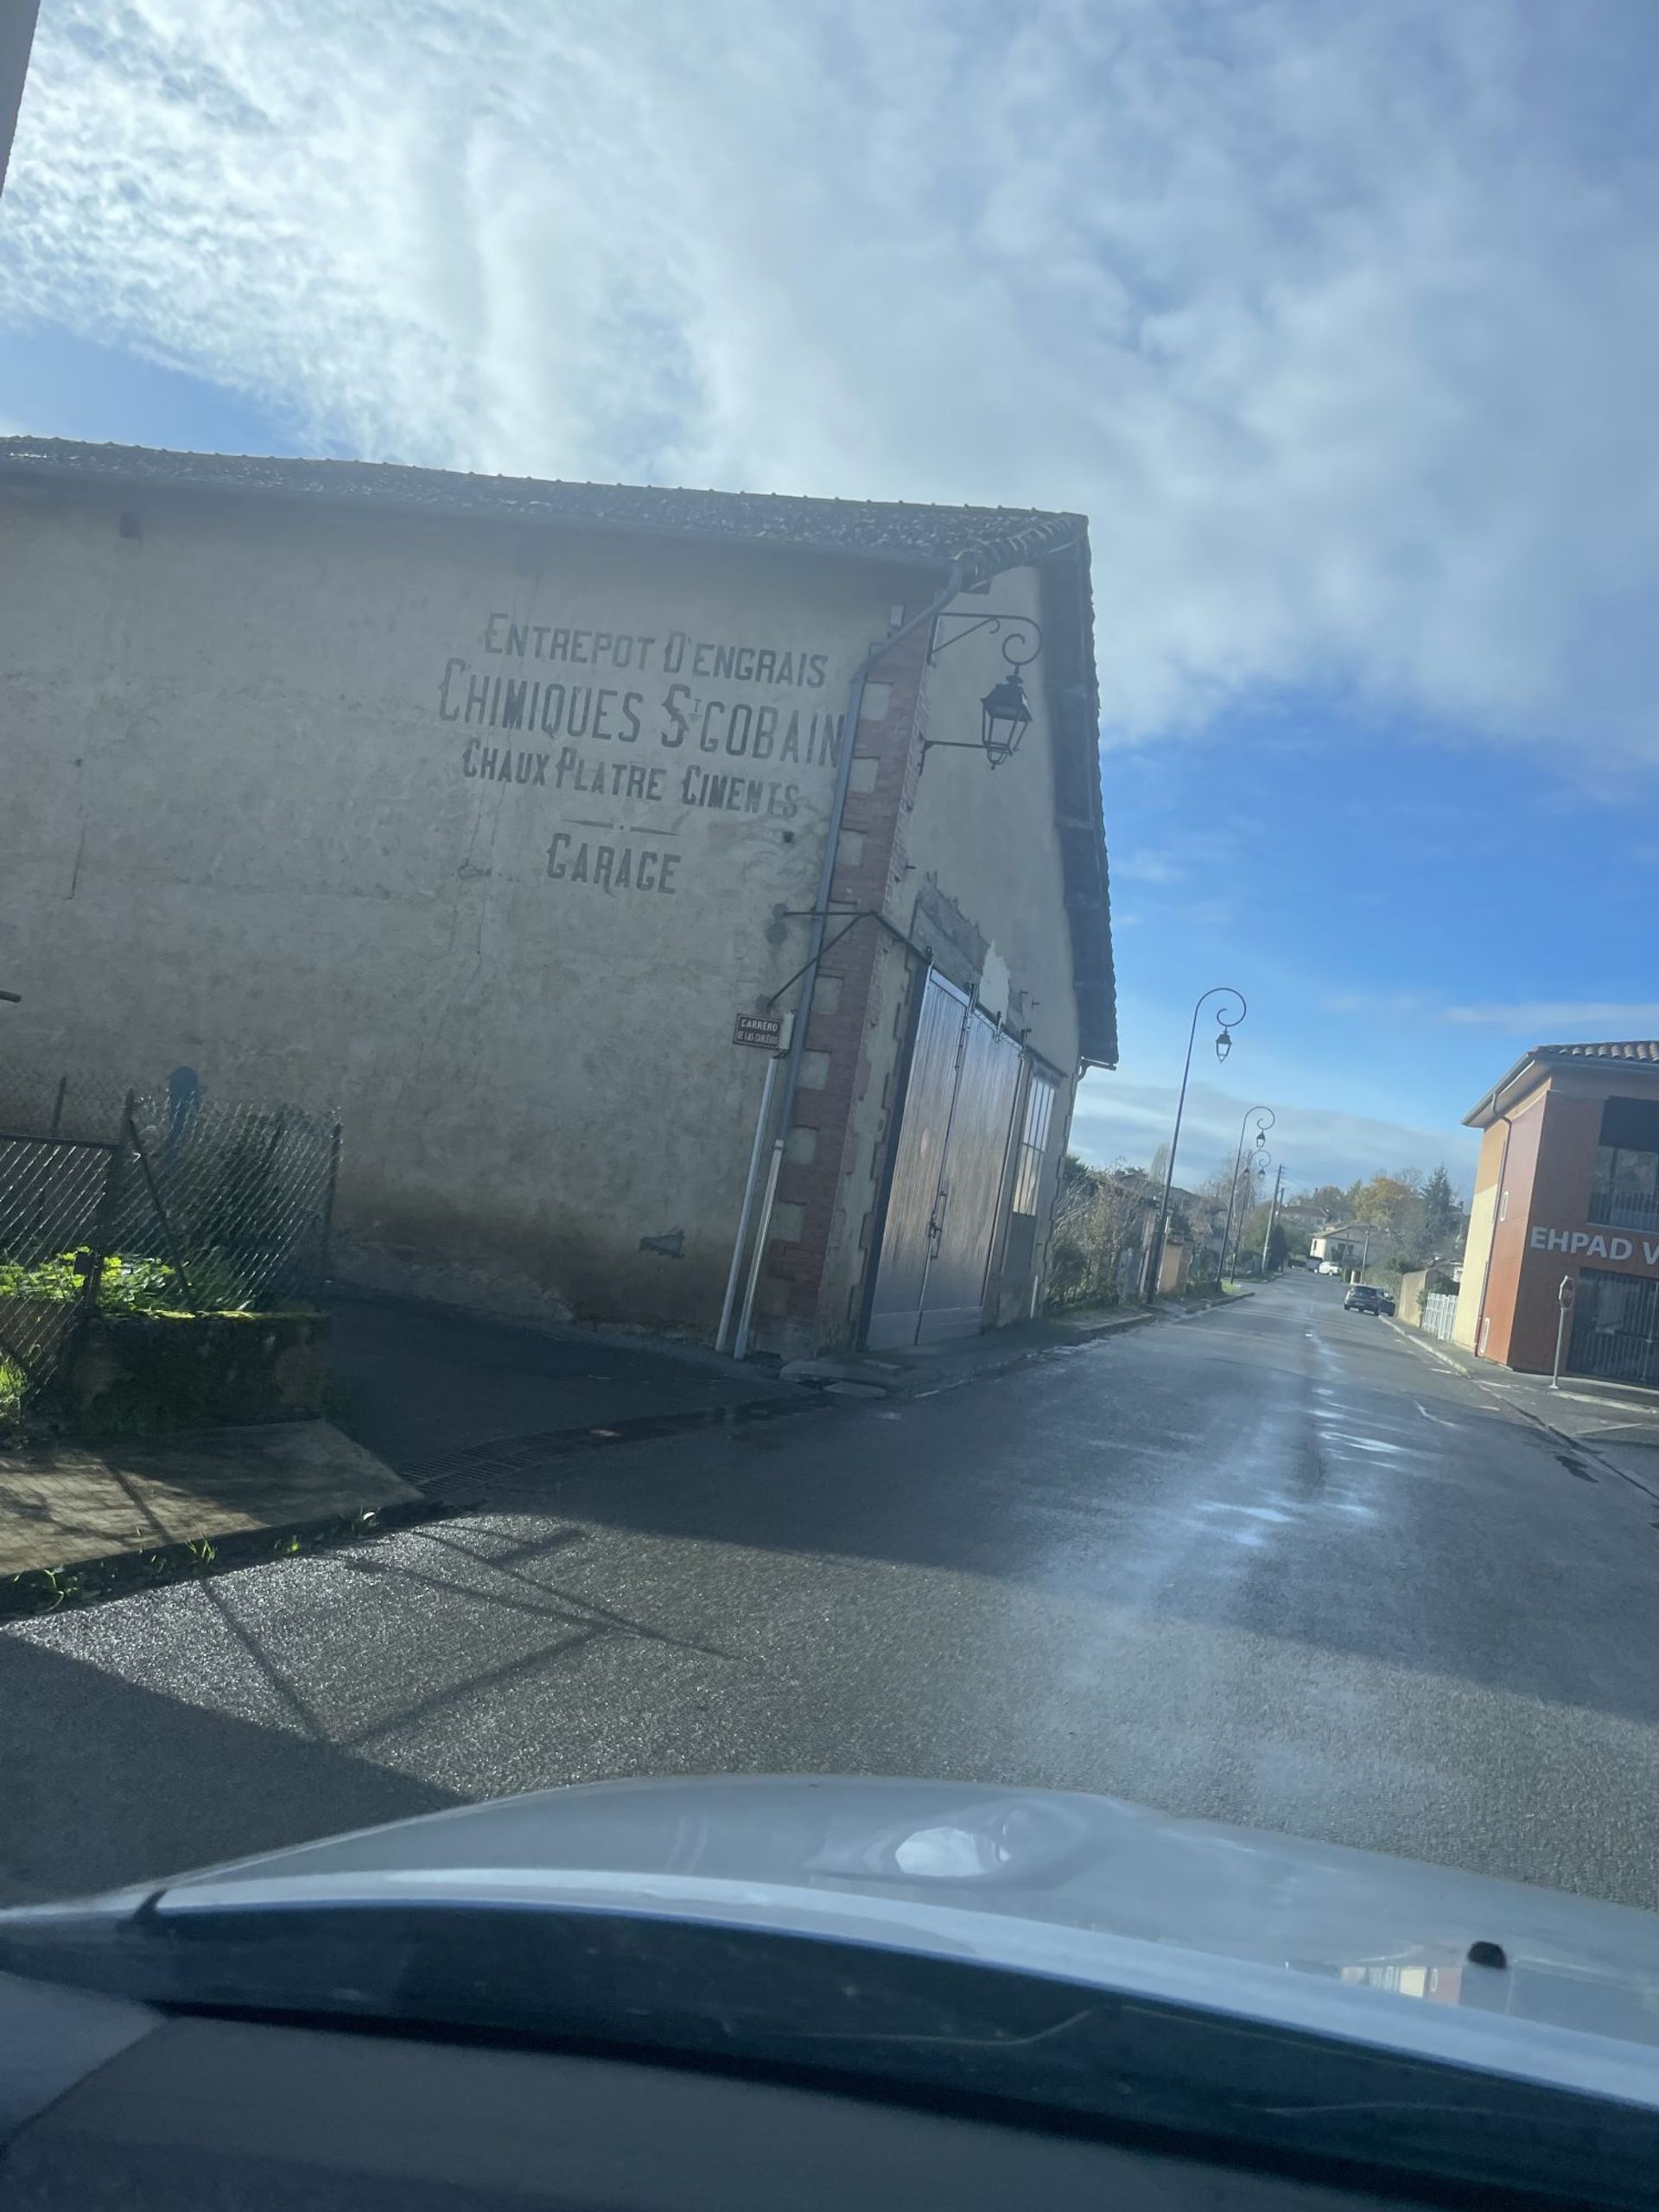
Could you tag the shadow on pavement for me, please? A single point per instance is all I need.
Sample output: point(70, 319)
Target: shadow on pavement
point(1195, 1478)
point(106, 1783)
point(420, 1385)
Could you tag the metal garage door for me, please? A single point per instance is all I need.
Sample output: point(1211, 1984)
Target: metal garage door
point(947, 1174)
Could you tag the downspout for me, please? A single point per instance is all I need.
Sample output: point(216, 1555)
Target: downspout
point(826, 879)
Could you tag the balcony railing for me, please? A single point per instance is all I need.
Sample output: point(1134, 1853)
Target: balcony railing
point(1623, 1209)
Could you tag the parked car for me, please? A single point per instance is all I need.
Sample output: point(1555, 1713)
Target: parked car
point(1365, 1298)
point(1327, 1267)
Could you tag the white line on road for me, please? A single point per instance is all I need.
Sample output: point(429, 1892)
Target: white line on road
point(1435, 1418)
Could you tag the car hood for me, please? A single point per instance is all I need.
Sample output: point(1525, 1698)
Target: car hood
point(1048, 1880)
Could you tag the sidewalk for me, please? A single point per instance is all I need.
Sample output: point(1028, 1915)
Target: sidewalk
point(920, 1369)
point(432, 1406)
point(80, 1520)
point(440, 1394)
point(1620, 1425)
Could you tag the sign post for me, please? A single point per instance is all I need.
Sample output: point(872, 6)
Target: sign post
point(1563, 1297)
point(766, 1033)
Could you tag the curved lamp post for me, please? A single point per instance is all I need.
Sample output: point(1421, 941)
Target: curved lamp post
point(1266, 1118)
point(1227, 1024)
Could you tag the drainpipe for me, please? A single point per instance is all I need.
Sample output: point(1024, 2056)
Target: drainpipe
point(826, 878)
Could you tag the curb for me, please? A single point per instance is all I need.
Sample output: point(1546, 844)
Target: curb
point(928, 1386)
point(1206, 1306)
point(464, 1477)
point(452, 1486)
point(1414, 1338)
point(449, 1486)
point(1085, 1333)
point(1579, 1444)
point(76, 1583)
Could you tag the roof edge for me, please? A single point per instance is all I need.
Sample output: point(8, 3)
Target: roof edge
point(531, 503)
point(1633, 1056)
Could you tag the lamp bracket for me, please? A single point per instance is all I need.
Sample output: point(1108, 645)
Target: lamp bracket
point(1022, 633)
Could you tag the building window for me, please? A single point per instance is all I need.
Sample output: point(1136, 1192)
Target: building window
point(1625, 1194)
point(1034, 1144)
point(1625, 1191)
point(1504, 1207)
point(1615, 1328)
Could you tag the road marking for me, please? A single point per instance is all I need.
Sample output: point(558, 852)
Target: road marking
point(1435, 1418)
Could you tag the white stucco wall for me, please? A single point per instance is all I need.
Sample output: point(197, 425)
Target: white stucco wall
point(985, 840)
point(986, 837)
point(251, 826)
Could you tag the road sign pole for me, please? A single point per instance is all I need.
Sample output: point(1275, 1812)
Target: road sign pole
point(1563, 1300)
point(762, 1122)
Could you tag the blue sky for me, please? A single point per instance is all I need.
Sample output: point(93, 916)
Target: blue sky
point(1341, 323)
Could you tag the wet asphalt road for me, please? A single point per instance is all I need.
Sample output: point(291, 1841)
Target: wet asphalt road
point(1269, 1565)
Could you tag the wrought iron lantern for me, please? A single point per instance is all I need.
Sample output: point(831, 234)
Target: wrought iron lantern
point(1005, 711)
point(1005, 716)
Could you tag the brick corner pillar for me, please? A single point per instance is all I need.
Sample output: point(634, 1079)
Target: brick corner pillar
point(845, 1036)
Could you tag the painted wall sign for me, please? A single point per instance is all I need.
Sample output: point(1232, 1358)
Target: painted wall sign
point(1596, 1244)
point(533, 711)
point(764, 1031)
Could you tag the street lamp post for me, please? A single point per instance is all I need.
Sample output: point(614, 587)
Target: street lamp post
point(1223, 1046)
point(1273, 1215)
point(1262, 1128)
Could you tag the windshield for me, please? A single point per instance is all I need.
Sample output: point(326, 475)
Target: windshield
point(826, 919)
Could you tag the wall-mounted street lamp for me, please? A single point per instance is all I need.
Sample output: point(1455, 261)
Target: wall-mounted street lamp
point(1005, 711)
point(1228, 1023)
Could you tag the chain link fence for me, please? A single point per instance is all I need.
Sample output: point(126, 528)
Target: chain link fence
point(149, 1200)
point(50, 1197)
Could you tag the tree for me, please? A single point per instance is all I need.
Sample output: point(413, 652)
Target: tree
point(1385, 1199)
point(1251, 1230)
point(1331, 1199)
point(1278, 1247)
point(1101, 1223)
point(1159, 1167)
point(1444, 1221)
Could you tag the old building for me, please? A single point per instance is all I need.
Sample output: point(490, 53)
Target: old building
point(1353, 1246)
point(607, 855)
point(1567, 1193)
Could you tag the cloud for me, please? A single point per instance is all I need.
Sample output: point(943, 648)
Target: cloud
point(1547, 1021)
point(1342, 322)
point(1147, 867)
point(1114, 1120)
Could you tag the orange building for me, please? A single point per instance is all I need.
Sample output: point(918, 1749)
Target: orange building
point(1567, 1189)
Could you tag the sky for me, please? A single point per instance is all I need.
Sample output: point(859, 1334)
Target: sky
point(1340, 323)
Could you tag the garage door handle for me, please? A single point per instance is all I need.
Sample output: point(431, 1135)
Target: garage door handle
point(936, 1226)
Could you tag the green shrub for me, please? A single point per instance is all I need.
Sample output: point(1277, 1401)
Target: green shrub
point(124, 1286)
